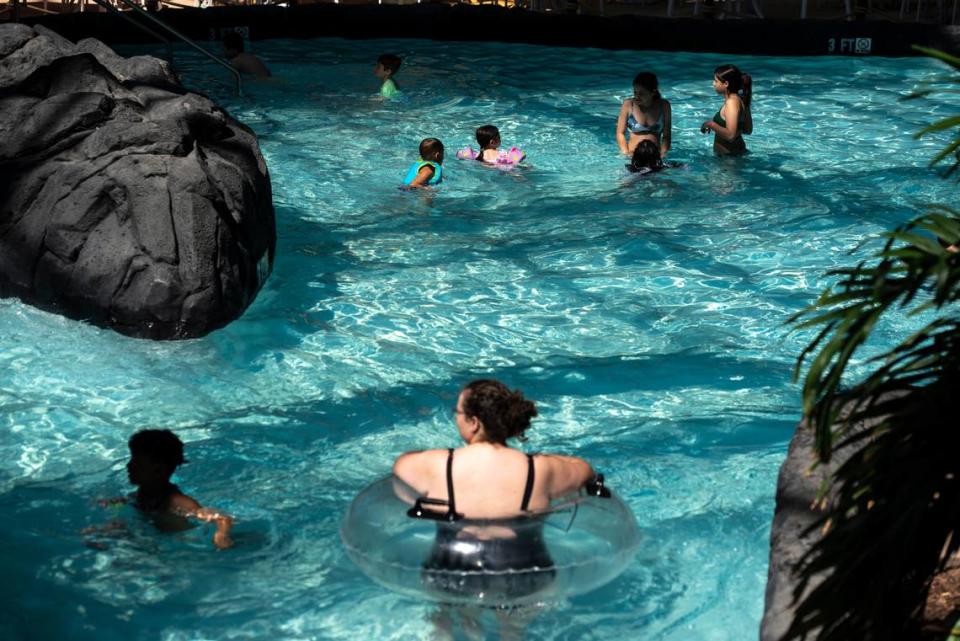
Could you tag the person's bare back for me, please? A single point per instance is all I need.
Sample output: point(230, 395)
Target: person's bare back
point(489, 478)
point(249, 63)
point(242, 61)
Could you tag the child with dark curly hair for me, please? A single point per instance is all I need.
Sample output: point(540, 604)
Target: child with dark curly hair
point(154, 456)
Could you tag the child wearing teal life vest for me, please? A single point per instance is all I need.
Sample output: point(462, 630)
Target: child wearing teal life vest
point(428, 170)
point(387, 67)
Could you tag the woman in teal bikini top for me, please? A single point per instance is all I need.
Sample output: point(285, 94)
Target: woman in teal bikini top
point(736, 89)
point(637, 113)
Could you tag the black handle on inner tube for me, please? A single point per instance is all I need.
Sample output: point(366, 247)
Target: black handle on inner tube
point(418, 511)
point(595, 487)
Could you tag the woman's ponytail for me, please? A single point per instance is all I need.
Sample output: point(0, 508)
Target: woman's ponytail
point(747, 91)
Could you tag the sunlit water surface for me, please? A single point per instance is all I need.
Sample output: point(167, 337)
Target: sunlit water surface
point(646, 316)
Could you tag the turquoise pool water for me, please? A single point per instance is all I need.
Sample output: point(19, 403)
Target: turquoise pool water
point(645, 315)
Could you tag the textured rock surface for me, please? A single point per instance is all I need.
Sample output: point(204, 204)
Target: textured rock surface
point(797, 489)
point(124, 199)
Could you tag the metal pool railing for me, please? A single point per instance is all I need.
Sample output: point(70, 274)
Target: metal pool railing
point(14, 9)
point(163, 25)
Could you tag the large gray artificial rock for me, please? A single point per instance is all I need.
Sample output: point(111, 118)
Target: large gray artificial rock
point(124, 199)
point(797, 491)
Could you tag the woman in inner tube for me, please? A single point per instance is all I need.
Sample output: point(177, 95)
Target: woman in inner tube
point(488, 479)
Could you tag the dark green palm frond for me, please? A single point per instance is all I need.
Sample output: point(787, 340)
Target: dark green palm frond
point(950, 123)
point(943, 56)
point(848, 312)
point(892, 522)
point(892, 509)
point(895, 506)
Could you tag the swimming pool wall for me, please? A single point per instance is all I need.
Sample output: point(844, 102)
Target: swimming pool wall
point(499, 24)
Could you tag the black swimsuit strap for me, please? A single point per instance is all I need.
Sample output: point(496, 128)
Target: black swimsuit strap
point(528, 490)
point(450, 502)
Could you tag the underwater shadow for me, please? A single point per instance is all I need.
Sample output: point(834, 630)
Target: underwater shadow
point(333, 421)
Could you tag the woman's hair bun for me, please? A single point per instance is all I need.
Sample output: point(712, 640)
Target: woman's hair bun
point(504, 413)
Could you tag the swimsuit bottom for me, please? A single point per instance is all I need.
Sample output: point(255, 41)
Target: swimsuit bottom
point(735, 147)
point(488, 570)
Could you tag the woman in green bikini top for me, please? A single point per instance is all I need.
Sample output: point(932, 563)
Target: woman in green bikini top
point(736, 89)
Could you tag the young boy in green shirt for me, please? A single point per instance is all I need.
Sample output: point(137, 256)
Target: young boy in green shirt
point(387, 67)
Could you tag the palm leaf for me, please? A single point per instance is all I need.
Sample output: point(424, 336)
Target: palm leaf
point(891, 439)
point(953, 61)
point(890, 442)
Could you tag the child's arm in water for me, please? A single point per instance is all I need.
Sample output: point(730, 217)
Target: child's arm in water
point(183, 505)
point(621, 126)
point(423, 177)
point(94, 535)
point(730, 132)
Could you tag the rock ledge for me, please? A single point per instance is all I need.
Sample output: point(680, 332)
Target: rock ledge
point(126, 200)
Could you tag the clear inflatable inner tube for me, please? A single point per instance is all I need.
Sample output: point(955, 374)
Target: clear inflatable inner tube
point(416, 546)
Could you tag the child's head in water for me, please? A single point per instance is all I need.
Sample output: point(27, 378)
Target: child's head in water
point(431, 149)
point(646, 157)
point(488, 137)
point(154, 457)
point(428, 170)
point(387, 66)
point(232, 44)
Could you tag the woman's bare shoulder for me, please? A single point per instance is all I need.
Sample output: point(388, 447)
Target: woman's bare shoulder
point(417, 459)
point(423, 454)
point(563, 474)
point(558, 460)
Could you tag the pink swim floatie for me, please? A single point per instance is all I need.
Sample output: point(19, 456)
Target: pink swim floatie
point(512, 156)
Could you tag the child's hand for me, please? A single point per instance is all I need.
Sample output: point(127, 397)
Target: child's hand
point(96, 537)
point(106, 528)
point(222, 540)
point(119, 500)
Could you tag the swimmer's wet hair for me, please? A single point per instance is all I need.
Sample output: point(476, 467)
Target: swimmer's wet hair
point(485, 135)
point(233, 40)
point(648, 81)
point(504, 413)
point(390, 62)
point(431, 149)
point(738, 82)
point(160, 445)
point(645, 156)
